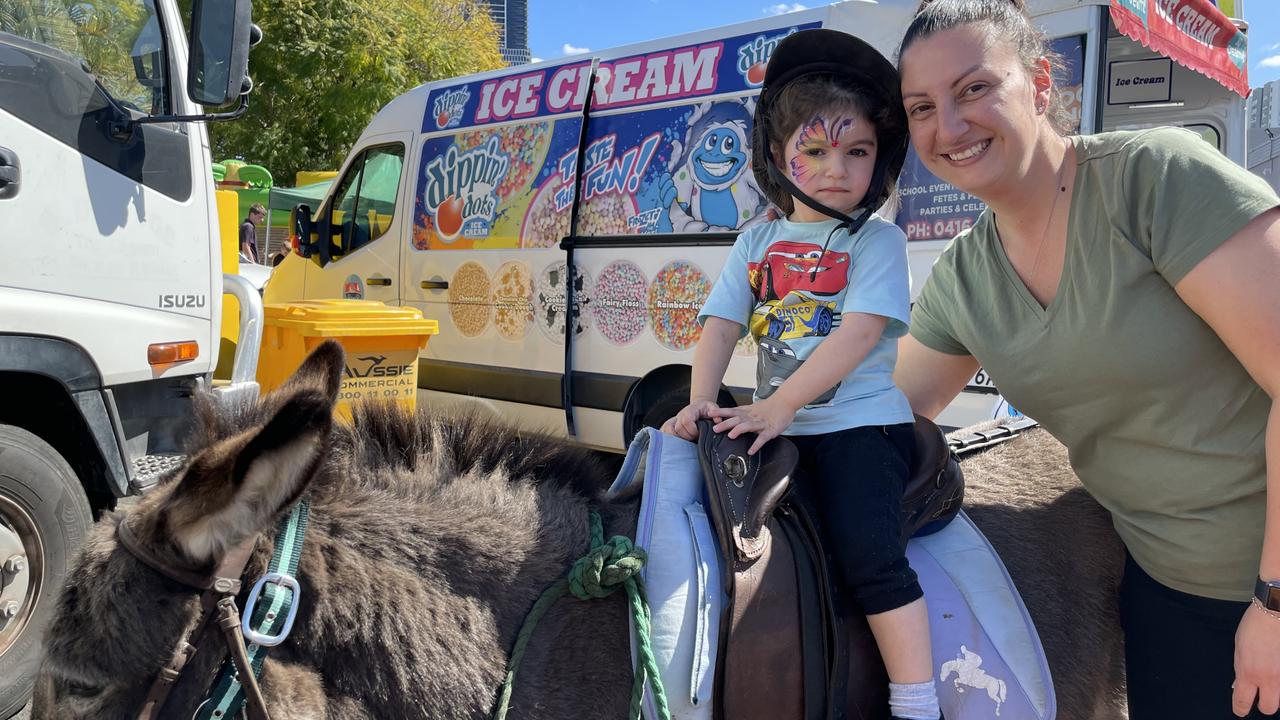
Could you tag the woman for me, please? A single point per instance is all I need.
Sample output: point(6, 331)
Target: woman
point(1122, 289)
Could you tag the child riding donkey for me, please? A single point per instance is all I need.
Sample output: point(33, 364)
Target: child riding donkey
point(826, 293)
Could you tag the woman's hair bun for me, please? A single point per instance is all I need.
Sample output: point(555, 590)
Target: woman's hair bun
point(1019, 5)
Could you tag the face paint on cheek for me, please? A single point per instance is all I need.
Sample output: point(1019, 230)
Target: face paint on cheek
point(801, 169)
point(813, 132)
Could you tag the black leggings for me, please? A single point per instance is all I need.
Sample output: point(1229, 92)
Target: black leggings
point(853, 480)
point(1179, 650)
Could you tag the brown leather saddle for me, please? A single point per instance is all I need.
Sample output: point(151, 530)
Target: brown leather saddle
point(784, 653)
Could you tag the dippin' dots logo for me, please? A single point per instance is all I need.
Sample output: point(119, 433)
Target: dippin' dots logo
point(753, 57)
point(449, 106)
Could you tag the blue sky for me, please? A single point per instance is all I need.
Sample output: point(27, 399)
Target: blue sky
point(564, 27)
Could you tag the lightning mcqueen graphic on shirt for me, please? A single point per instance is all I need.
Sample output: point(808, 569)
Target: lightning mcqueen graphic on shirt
point(795, 266)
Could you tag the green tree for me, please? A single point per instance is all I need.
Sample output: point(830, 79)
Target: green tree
point(325, 67)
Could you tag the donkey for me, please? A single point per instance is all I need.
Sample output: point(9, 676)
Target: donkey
point(430, 539)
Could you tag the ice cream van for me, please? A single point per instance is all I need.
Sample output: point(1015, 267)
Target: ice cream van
point(565, 220)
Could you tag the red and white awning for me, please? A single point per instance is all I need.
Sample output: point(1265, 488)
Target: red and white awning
point(1194, 33)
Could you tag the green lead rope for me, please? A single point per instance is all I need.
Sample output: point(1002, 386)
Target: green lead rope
point(227, 696)
point(608, 566)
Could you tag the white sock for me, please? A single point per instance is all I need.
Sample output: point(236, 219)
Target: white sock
point(914, 701)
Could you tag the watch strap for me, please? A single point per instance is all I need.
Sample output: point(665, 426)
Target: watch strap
point(1267, 593)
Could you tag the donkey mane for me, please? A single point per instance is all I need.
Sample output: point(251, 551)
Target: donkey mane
point(385, 437)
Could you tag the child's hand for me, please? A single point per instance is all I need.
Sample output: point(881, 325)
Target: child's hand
point(767, 418)
point(685, 423)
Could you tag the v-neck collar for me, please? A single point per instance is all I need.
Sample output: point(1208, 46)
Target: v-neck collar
point(1044, 313)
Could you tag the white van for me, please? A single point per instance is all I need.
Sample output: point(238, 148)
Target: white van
point(464, 198)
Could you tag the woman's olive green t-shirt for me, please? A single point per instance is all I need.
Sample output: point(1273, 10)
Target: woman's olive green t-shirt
point(1163, 424)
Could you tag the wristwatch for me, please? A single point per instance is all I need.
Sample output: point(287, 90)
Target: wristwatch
point(1267, 593)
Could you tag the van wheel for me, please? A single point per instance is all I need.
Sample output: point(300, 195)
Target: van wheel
point(44, 516)
point(672, 402)
point(665, 407)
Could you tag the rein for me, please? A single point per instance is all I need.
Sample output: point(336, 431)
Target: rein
point(217, 612)
point(266, 623)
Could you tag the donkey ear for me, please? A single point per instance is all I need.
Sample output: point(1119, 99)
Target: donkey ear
point(237, 487)
point(322, 369)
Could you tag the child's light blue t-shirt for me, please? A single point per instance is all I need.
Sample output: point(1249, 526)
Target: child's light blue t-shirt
point(779, 285)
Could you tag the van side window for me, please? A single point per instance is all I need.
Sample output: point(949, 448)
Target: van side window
point(365, 202)
point(379, 187)
point(1208, 132)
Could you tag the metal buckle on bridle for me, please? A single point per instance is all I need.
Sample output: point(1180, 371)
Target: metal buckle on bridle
point(282, 581)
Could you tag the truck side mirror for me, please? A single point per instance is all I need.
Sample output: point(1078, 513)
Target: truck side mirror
point(222, 32)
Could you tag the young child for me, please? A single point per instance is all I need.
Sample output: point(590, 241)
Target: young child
point(826, 292)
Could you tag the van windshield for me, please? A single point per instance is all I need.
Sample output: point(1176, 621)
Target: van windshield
point(119, 42)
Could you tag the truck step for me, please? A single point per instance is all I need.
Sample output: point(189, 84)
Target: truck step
point(148, 469)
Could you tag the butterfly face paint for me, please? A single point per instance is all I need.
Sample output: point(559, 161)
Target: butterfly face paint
point(831, 158)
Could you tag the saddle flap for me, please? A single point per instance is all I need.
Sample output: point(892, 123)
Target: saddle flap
point(935, 485)
point(742, 489)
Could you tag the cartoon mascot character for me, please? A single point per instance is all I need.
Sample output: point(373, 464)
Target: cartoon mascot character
point(708, 185)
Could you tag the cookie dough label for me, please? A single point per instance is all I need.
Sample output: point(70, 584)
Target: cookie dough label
point(552, 307)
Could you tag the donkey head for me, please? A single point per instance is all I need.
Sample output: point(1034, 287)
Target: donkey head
point(118, 621)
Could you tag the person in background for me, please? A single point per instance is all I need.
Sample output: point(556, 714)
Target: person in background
point(249, 231)
point(1120, 288)
point(281, 253)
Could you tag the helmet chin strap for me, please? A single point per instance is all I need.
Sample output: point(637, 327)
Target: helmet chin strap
point(851, 223)
point(855, 222)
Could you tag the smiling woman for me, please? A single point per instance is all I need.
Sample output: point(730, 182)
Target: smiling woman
point(1105, 277)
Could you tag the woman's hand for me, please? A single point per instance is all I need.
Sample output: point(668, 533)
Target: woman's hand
point(685, 423)
point(1257, 663)
point(767, 418)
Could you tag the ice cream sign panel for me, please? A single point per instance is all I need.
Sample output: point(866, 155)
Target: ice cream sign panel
point(687, 72)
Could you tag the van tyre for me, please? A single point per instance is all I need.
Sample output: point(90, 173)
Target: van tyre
point(665, 407)
point(672, 402)
point(44, 511)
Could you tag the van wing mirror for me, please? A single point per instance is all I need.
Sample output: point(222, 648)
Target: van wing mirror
point(222, 32)
point(304, 229)
point(315, 237)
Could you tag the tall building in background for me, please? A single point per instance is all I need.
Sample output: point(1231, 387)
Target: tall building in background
point(512, 18)
point(1263, 152)
point(1264, 106)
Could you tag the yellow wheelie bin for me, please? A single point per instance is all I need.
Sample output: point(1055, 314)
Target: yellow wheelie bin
point(381, 343)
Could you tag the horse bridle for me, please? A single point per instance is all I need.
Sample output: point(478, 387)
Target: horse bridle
point(218, 611)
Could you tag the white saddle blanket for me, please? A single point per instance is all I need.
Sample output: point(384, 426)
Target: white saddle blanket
point(988, 657)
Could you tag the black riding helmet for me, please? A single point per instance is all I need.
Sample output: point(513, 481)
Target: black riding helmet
point(846, 59)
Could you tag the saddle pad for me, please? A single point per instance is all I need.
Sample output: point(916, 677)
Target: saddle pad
point(988, 655)
point(682, 574)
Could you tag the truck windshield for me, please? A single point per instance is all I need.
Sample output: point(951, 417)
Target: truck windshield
point(118, 41)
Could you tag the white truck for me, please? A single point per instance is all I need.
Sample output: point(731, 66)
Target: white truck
point(111, 279)
point(469, 198)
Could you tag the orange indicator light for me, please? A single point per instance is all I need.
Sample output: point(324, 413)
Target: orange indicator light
point(175, 352)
